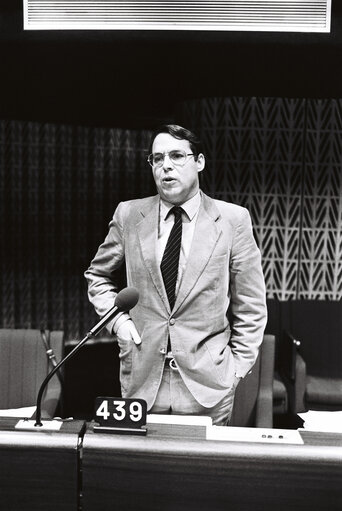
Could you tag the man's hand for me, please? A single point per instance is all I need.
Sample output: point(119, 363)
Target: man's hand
point(128, 332)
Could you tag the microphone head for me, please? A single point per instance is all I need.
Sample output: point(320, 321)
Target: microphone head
point(126, 299)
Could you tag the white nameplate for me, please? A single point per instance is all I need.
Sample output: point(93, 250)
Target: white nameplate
point(265, 435)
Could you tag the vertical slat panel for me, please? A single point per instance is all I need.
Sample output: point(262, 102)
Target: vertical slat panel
point(59, 186)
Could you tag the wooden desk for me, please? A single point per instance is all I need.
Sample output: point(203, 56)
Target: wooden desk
point(162, 473)
point(39, 470)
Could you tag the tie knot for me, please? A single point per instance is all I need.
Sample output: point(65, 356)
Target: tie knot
point(177, 211)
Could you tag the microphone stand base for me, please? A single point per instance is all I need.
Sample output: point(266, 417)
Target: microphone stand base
point(47, 425)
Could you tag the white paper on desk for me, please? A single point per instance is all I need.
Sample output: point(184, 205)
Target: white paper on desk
point(187, 420)
point(330, 422)
point(26, 411)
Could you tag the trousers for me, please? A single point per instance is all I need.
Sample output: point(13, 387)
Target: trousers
point(174, 397)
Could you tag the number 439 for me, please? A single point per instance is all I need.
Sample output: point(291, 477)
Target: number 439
point(132, 411)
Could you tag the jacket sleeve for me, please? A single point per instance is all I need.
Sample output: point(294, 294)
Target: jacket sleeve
point(247, 297)
point(102, 274)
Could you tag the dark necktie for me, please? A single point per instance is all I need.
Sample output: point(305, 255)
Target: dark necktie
point(170, 261)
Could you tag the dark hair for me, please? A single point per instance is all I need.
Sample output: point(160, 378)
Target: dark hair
point(181, 134)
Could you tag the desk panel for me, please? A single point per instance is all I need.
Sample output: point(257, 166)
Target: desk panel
point(39, 470)
point(157, 473)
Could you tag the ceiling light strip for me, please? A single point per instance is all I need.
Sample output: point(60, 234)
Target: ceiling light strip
point(291, 15)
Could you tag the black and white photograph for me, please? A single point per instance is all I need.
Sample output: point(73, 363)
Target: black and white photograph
point(171, 255)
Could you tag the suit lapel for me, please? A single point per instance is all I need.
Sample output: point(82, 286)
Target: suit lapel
point(206, 235)
point(147, 230)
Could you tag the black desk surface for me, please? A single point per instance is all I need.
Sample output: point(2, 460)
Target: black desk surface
point(166, 470)
point(39, 470)
point(161, 472)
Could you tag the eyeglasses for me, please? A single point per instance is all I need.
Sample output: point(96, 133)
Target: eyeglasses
point(178, 157)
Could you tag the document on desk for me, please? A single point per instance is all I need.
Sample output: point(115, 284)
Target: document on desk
point(26, 411)
point(329, 422)
point(265, 435)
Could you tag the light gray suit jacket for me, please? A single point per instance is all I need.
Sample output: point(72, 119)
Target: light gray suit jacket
point(223, 269)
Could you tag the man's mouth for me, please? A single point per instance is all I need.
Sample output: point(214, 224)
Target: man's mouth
point(168, 179)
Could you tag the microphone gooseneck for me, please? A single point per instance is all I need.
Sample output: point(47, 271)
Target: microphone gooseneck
point(124, 301)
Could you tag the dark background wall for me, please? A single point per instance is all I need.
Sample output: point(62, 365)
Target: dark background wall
point(110, 78)
point(76, 111)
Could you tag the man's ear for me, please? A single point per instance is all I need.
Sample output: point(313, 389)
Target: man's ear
point(200, 162)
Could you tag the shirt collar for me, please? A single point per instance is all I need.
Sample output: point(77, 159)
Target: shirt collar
point(190, 207)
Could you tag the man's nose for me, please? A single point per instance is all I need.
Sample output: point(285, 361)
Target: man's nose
point(167, 163)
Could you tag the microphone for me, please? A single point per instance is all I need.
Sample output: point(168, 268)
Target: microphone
point(125, 300)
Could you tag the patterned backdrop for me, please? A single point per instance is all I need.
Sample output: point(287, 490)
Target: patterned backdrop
point(282, 159)
point(59, 185)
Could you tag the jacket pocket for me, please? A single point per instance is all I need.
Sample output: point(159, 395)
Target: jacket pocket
point(223, 363)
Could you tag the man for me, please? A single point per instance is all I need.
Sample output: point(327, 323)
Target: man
point(177, 348)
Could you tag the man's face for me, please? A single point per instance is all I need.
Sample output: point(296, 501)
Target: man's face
point(174, 183)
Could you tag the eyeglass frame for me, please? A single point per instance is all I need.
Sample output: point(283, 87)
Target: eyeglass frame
point(167, 153)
